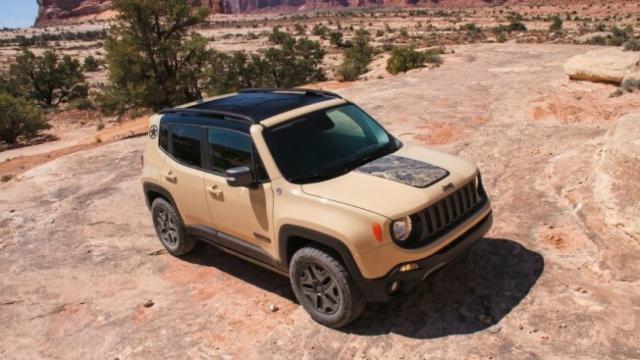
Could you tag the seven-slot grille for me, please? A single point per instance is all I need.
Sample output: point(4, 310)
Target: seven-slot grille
point(447, 213)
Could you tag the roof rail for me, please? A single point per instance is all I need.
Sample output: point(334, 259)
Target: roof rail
point(193, 111)
point(291, 90)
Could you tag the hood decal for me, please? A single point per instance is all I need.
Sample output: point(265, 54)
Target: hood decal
point(404, 170)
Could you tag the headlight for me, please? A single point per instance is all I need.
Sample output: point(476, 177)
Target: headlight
point(401, 229)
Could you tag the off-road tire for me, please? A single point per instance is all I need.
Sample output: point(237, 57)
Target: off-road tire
point(344, 303)
point(169, 228)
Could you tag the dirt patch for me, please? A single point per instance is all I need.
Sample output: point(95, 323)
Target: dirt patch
point(591, 105)
point(439, 133)
point(558, 241)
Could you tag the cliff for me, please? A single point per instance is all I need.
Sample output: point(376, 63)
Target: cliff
point(53, 12)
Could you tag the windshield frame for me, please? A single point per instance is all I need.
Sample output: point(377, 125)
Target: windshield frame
point(393, 146)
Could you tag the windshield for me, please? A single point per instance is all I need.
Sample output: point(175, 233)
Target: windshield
point(327, 143)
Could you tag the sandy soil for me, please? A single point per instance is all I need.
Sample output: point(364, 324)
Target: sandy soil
point(554, 279)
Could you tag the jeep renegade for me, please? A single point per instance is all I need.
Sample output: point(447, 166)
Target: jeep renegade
point(305, 183)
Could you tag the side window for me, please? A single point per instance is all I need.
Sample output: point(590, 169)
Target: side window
point(231, 149)
point(186, 143)
point(163, 136)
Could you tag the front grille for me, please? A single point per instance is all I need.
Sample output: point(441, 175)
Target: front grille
point(447, 213)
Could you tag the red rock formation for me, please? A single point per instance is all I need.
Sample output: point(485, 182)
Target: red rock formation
point(55, 11)
point(52, 11)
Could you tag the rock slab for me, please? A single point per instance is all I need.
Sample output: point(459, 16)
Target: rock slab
point(610, 65)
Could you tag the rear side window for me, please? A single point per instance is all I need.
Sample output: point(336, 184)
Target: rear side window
point(163, 137)
point(186, 141)
point(229, 149)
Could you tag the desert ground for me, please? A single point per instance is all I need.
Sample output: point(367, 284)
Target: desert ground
point(558, 276)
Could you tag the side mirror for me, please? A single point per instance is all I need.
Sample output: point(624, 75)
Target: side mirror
point(241, 176)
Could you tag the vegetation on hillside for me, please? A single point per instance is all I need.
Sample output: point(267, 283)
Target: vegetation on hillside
point(156, 61)
point(357, 57)
point(18, 117)
point(404, 59)
point(46, 80)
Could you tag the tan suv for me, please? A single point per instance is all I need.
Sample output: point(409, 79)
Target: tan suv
point(308, 185)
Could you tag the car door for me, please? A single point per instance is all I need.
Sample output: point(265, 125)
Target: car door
point(239, 213)
point(182, 172)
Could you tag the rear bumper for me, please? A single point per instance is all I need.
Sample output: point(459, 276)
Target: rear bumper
point(376, 290)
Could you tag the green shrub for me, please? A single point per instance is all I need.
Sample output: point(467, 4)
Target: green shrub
point(433, 57)
point(473, 31)
point(349, 70)
point(299, 29)
point(335, 38)
point(516, 26)
point(82, 104)
point(597, 40)
point(154, 58)
point(630, 85)
point(404, 59)
point(48, 79)
point(297, 62)
point(357, 57)
point(278, 37)
point(90, 64)
point(19, 118)
point(79, 91)
point(556, 24)
point(320, 30)
point(619, 36)
point(632, 45)
point(617, 93)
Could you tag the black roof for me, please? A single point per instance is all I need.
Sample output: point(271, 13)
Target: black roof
point(255, 105)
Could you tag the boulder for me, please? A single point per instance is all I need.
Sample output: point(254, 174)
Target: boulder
point(617, 183)
point(604, 65)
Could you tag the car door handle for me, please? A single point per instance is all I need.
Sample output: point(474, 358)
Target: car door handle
point(170, 176)
point(213, 190)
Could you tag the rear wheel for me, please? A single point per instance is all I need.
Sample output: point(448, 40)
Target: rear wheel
point(324, 288)
point(169, 228)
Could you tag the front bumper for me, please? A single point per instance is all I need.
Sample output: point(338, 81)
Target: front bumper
point(376, 290)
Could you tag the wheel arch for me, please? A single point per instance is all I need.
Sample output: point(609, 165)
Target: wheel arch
point(153, 191)
point(292, 238)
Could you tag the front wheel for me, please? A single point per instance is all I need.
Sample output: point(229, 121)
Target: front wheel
point(324, 288)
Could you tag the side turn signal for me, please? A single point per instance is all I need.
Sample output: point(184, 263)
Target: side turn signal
point(377, 231)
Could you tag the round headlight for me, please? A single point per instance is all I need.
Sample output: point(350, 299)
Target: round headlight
point(401, 229)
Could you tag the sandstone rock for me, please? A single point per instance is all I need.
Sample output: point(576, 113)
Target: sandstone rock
point(53, 12)
point(603, 65)
point(621, 162)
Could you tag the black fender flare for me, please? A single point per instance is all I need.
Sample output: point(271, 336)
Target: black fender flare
point(288, 232)
point(149, 187)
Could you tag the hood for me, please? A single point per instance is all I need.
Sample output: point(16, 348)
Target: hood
point(398, 184)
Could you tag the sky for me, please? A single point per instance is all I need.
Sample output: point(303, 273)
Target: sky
point(17, 13)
